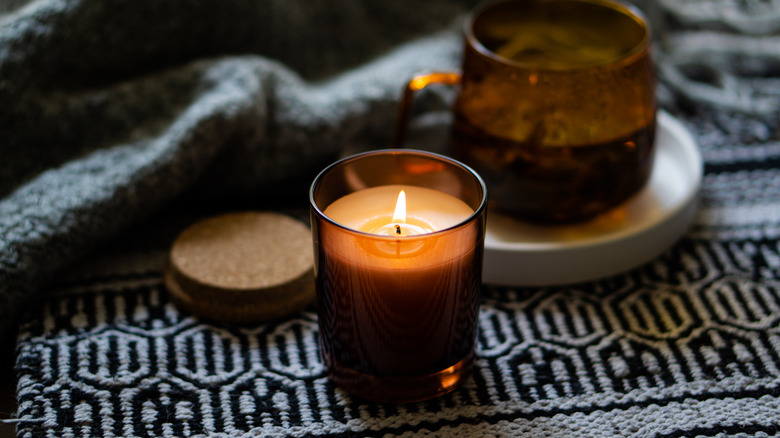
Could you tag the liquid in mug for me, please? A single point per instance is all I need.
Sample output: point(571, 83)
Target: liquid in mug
point(562, 129)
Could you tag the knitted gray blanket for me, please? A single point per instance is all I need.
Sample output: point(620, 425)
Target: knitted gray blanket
point(110, 110)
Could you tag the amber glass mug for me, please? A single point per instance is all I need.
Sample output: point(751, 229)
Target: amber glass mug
point(556, 106)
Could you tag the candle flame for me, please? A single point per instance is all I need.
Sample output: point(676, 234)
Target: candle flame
point(399, 216)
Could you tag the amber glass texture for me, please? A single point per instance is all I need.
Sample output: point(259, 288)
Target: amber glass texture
point(398, 316)
point(559, 136)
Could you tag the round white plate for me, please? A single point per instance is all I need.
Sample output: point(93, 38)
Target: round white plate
point(523, 254)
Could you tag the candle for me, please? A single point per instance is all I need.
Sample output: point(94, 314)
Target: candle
point(398, 285)
point(394, 284)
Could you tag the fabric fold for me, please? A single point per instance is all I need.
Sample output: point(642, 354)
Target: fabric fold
point(88, 152)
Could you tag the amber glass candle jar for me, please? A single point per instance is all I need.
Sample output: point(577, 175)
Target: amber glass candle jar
point(398, 295)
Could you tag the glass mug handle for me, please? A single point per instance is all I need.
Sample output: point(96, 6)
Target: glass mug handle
point(417, 83)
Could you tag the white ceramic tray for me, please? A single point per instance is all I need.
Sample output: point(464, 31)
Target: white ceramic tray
point(523, 254)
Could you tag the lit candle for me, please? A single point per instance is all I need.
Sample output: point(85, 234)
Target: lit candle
point(406, 292)
point(398, 271)
point(398, 210)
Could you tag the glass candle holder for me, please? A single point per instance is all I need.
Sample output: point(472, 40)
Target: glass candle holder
point(398, 296)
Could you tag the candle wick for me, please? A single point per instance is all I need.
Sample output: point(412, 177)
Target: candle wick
point(397, 229)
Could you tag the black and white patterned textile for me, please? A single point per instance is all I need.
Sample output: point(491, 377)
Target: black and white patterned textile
point(687, 345)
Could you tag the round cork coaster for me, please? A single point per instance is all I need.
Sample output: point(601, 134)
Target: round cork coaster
point(242, 267)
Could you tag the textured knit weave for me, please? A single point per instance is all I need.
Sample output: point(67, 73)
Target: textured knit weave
point(123, 105)
point(112, 110)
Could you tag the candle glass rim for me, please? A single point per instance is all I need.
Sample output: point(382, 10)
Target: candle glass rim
point(465, 222)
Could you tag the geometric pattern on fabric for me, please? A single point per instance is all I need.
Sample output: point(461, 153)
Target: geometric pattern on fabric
point(688, 351)
point(686, 345)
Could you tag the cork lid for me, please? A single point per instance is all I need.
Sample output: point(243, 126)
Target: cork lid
point(244, 267)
